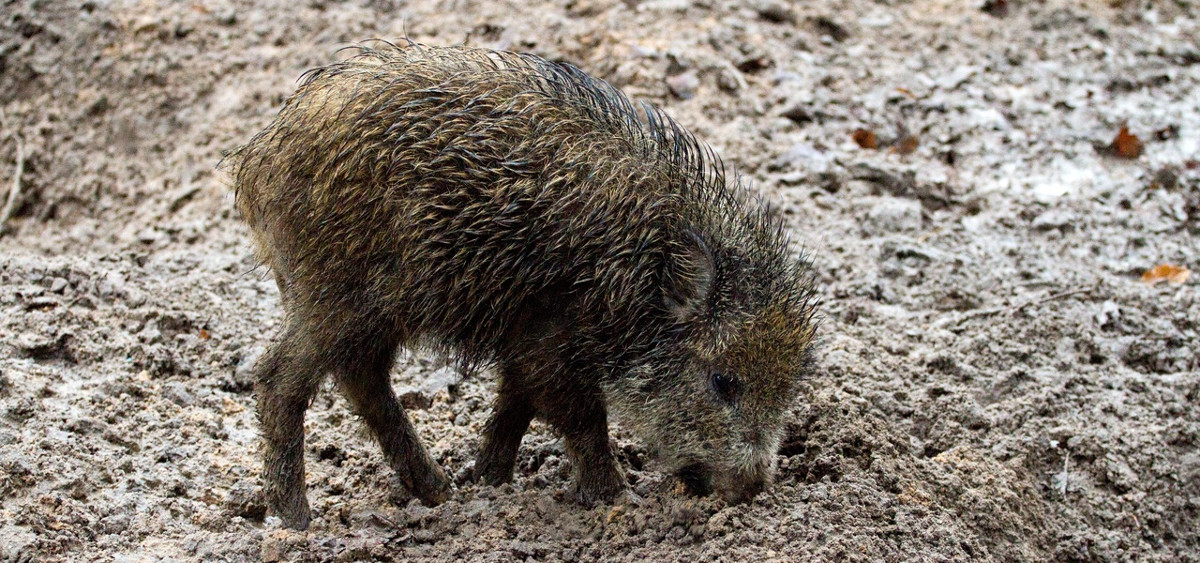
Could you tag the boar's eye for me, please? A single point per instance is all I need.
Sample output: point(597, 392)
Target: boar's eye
point(725, 386)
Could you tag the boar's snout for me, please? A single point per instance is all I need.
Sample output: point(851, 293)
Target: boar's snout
point(697, 478)
point(745, 490)
point(736, 486)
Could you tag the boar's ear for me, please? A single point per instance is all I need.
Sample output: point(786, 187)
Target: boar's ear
point(690, 273)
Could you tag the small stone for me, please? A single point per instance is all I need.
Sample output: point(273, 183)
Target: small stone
point(243, 374)
point(177, 393)
point(150, 334)
point(270, 552)
point(282, 544)
point(58, 285)
point(111, 285)
point(149, 236)
point(1165, 177)
point(246, 500)
point(115, 523)
point(798, 114)
point(796, 156)
point(587, 8)
point(183, 29)
point(677, 63)
point(996, 8)
point(957, 77)
point(684, 85)
point(755, 63)
point(1109, 315)
point(664, 6)
point(826, 27)
point(135, 298)
point(146, 24)
point(1053, 219)
point(892, 214)
point(46, 347)
point(227, 16)
point(774, 11)
point(76, 488)
point(98, 106)
point(440, 379)
point(728, 80)
point(896, 183)
point(415, 400)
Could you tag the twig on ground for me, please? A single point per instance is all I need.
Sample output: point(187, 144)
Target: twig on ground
point(14, 193)
point(930, 234)
point(1009, 309)
point(384, 521)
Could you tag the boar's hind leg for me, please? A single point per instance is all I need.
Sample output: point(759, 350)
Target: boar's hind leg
point(286, 383)
point(365, 381)
point(502, 436)
point(580, 415)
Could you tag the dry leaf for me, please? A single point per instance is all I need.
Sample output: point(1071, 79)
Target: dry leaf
point(204, 335)
point(865, 139)
point(1170, 273)
point(907, 92)
point(1126, 144)
point(906, 144)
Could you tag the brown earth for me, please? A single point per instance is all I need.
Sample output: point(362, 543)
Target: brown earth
point(996, 382)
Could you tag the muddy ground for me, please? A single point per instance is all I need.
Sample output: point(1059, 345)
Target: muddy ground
point(996, 382)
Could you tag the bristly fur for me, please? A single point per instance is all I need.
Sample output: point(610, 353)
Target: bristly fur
point(385, 83)
point(505, 209)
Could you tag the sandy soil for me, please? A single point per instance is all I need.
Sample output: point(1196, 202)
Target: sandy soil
point(997, 383)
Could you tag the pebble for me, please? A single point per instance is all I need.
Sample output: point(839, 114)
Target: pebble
point(892, 214)
point(414, 400)
point(802, 156)
point(774, 11)
point(244, 372)
point(227, 16)
point(177, 393)
point(683, 86)
point(135, 298)
point(149, 236)
point(150, 334)
point(664, 6)
point(246, 499)
point(111, 285)
point(1109, 315)
point(1052, 220)
point(798, 114)
point(729, 80)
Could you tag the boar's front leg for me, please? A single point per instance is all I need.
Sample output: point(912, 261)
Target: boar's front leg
point(580, 415)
